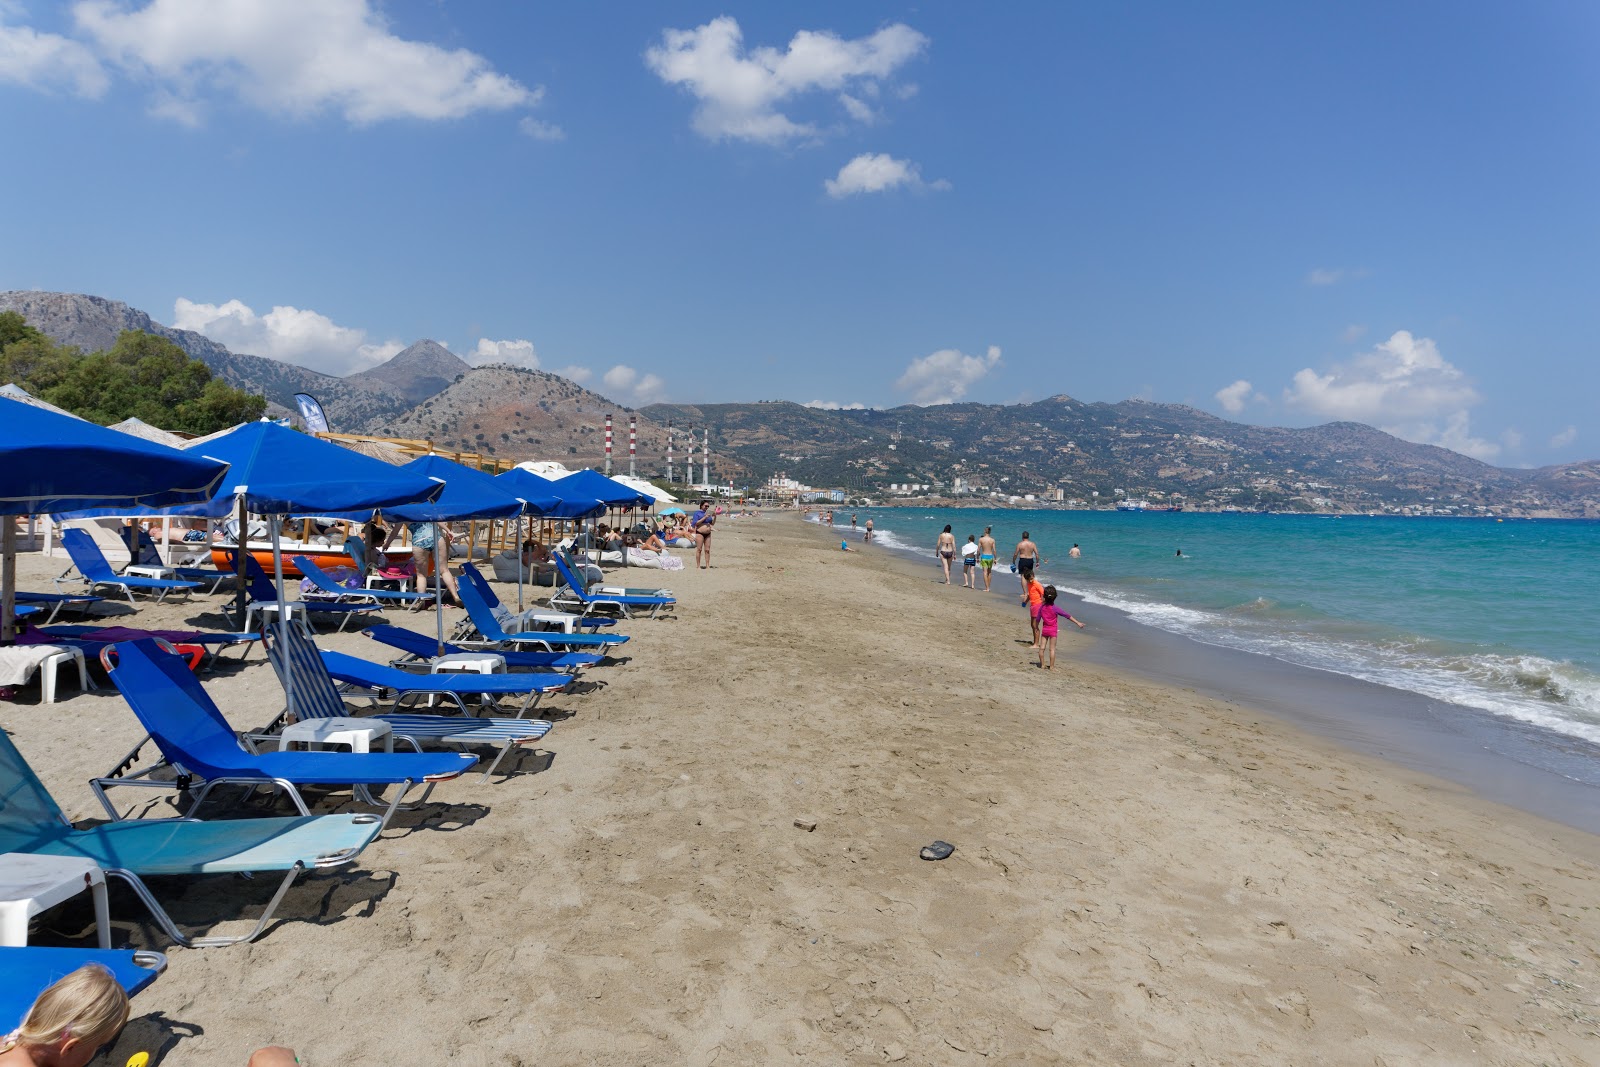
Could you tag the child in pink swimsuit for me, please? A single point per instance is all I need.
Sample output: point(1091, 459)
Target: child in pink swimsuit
point(1049, 623)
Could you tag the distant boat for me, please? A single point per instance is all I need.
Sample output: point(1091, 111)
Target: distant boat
point(1140, 505)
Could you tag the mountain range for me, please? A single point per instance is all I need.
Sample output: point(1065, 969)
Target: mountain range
point(1094, 452)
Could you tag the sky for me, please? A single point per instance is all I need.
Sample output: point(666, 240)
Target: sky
point(1284, 214)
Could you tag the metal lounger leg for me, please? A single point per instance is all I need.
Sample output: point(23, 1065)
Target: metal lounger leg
point(164, 920)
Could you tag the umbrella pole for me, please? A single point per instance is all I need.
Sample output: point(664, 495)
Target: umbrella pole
point(518, 547)
point(438, 587)
point(283, 617)
point(242, 543)
point(8, 578)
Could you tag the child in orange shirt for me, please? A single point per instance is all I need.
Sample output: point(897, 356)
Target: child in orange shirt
point(1033, 592)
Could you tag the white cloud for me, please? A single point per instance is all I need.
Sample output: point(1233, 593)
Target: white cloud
point(633, 388)
point(541, 130)
point(738, 92)
point(834, 405)
point(574, 373)
point(47, 61)
point(518, 353)
point(290, 334)
point(1353, 333)
point(1404, 387)
point(1334, 275)
point(945, 376)
point(1234, 397)
point(875, 172)
point(1564, 438)
point(294, 57)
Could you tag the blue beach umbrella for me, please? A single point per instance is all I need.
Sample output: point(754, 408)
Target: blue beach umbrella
point(57, 463)
point(467, 494)
point(540, 491)
point(547, 501)
point(611, 493)
point(277, 471)
point(53, 463)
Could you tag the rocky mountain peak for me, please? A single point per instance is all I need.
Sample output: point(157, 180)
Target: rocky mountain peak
point(418, 372)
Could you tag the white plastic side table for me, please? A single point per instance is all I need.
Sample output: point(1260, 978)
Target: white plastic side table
point(50, 668)
point(31, 883)
point(359, 734)
point(149, 570)
point(470, 663)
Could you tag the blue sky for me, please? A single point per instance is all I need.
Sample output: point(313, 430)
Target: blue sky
point(1280, 213)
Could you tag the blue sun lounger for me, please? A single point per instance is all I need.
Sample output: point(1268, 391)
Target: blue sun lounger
point(197, 741)
point(577, 595)
point(94, 571)
point(380, 678)
point(422, 648)
point(327, 586)
point(473, 575)
point(83, 635)
point(316, 698)
point(82, 602)
point(27, 970)
point(264, 600)
point(205, 574)
point(31, 821)
point(494, 635)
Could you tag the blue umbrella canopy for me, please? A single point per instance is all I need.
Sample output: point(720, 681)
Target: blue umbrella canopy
point(545, 499)
point(57, 463)
point(279, 471)
point(611, 493)
point(467, 494)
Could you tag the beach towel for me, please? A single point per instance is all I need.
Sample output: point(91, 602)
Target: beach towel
point(19, 663)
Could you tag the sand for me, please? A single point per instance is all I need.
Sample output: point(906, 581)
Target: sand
point(1141, 875)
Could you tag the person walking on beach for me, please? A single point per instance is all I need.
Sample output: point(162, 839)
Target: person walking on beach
point(969, 563)
point(947, 551)
point(1033, 596)
point(1049, 622)
point(702, 523)
point(1024, 558)
point(869, 528)
point(424, 536)
point(986, 553)
point(852, 522)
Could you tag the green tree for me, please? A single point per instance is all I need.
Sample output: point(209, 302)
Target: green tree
point(13, 328)
point(142, 376)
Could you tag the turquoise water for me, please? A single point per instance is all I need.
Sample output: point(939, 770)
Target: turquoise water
point(1499, 616)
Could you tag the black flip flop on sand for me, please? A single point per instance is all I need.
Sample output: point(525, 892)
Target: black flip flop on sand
point(937, 851)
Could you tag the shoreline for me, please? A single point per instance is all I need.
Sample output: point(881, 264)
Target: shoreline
point(1142, 874)
point(1463, 746)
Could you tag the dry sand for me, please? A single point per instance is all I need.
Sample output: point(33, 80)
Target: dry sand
point(1141, 875)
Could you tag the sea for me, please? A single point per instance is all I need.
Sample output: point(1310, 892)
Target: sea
point(1478, 618)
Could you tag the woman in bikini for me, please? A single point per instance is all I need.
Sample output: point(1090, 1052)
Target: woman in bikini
point(947, 551)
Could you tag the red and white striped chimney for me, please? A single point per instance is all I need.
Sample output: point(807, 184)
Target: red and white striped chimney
point(608, 443)
point(633, 441)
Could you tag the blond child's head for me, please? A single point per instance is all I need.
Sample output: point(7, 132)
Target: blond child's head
point(73, 1018)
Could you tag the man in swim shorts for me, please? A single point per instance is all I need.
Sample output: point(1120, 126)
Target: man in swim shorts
point(986, 551)
point(869, 529)
point(1024, 558)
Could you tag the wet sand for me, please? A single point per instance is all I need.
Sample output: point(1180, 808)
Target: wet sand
point(1143, 874)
